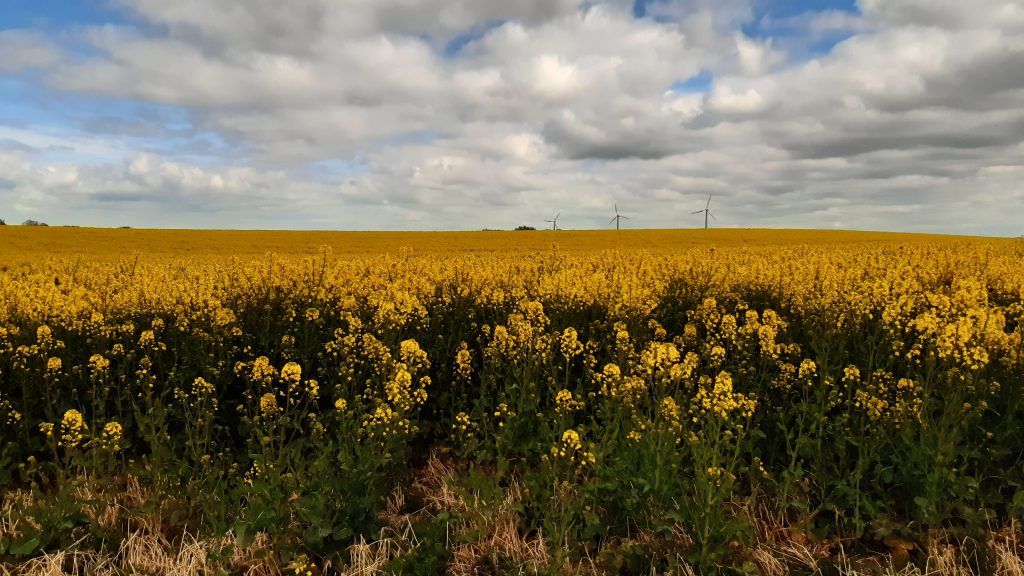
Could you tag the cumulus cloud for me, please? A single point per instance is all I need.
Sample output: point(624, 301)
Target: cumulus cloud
point(473, 113)
point(729, 101)
point(756, 58)
point(24, 49)
point(947, 14)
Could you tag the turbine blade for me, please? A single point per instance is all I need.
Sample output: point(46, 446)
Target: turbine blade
point(708, 205)
point(557, 215)
point(697, 212)
point(713, 216)
point(626, 217)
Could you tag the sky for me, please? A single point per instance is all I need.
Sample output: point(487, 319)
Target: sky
point(900, 115)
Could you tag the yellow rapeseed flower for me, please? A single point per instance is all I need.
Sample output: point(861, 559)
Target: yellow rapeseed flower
point(72, 429)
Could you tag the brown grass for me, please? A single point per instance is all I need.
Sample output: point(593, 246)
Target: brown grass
point(481, 541)
point(503, 544)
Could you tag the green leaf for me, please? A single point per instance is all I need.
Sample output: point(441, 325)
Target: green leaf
point(242, 536)
point(25, 548)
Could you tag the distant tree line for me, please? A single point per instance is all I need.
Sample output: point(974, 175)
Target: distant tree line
point(38, 223)
point(26, 223)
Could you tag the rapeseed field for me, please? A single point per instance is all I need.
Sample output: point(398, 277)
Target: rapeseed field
point(635, 402)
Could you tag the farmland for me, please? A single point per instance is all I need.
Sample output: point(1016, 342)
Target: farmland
point(725, 401)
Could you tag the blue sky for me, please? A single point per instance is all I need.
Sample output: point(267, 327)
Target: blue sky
point(786, 8)
point(768, 12)
point(55, 15)
point(362, 115)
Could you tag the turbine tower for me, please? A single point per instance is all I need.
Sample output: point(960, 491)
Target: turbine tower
point(554, 221)
point(707, 212)
point(617, 217)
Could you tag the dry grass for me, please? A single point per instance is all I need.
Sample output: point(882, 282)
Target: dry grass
point(145, 548)
point(371, 558)
point(502, 549)
point(943, 559)
point(145, 553)
point(10, 503)
point(487, 538)
point(503, 545)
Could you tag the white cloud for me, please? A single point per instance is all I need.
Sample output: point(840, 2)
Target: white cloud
point(22, 50)
point(950, 14)
point(479, 113)
point(728, 101)
point(756, 58)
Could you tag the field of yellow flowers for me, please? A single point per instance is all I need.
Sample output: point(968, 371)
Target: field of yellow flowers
point(634, 402)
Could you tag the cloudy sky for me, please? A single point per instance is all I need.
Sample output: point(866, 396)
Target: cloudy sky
point(465, 114)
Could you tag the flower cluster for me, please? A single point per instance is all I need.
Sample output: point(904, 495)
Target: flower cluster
point(384, 423)
point(718, 398)
point(569, 344)
point(626, 389)
point(99, 366)
point(570, 449)
point(110, 437)
point(503, 414)
point(72, 429)
point(463, 370)
point(565, 403)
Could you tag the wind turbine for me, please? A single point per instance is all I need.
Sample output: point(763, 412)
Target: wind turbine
point(554, 221)
point(707, 212)
point(617, 217)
